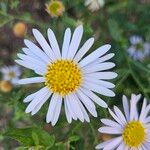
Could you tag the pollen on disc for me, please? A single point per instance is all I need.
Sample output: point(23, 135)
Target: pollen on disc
point(134, 134)
point(63, 77)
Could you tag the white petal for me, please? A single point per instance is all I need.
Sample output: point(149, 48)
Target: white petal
point(143, 147)
point(39, 96)
point(146, 112)
point(133, 106)
point(36, 50)
point(74, 44)
point(121, 146)
point(87, 102)
point(14, 81)
point(4, 70)
point(141, 118)
point(103, 144)
point(111, 123)
point(113, 144)
point(126, 107)
point(102, 75)
point(101, 59)
point(75, 106)
point(30, 97)
point(98, 67)
point(31, 80)
point(146, 145)
point(31, 59)
point(43, 43)
point(105, 58)
point(98, 89)
point(66, 43)
point(98, 82)
point(51, 108)
point(94, 55)
point(147, 120)
point(38, 70)
point(72, 113)
point(86, 117)
point(94, 97)
point(68, 116)
point(110, 130)
point(120, 115)
point(116, 117)
point(54, 43)
point(57, 111)
point(83, 50)
point(38, 106)
point(28, 52)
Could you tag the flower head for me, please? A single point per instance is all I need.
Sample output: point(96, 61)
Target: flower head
point(20, 29)
point(133, 127)
point(55, 8)
point(11, 73)
point(138, 49)
point(94, 5)
point(5, 86)
point(67, 76)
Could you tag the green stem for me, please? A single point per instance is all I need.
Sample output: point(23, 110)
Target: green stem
point(122, 79)
point(134, 76)
point(94, 134)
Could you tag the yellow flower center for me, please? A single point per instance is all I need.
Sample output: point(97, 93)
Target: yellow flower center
point(20, 29)
point(55, 8)
point(11, 74)
point(5, 86)
point(134, 134)
point(63, 77)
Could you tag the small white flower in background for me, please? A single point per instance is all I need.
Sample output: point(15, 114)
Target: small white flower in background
point(94, 5)
point(132, 129)
point(67, 76)
point(138, 49)
point(11, 73)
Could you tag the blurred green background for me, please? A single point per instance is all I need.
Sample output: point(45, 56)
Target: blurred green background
point(114, 22)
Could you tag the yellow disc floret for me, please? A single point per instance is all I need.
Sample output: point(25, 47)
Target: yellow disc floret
point(11, 74)
point(55, 8)
point(134, 134)
point(63, 77)
point(20, 29)
point(5, 86)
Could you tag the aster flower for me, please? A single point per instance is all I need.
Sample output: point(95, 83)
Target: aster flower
point(138, 49)
point(11, 73)
point(20, 29)
point(66, 76)
point(132, 128)
point(94, 5)
point(5, 86)
point(55, 8)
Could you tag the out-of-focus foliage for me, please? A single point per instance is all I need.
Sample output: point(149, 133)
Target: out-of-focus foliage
point(114, 23)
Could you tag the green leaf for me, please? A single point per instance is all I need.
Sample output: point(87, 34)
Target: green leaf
point(59, 146)
point(74, 138)
point(14, 4)
point(115, 30)
point(35, 138)
point(21, 135)
point(69, 21)
point(21, 148)
point(31, 136)
point(3, 7)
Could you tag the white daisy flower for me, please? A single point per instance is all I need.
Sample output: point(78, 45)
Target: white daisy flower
point(138, 49)
point(133, 128)
point(94, 5)
point(11, 73)
point(67, 77)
